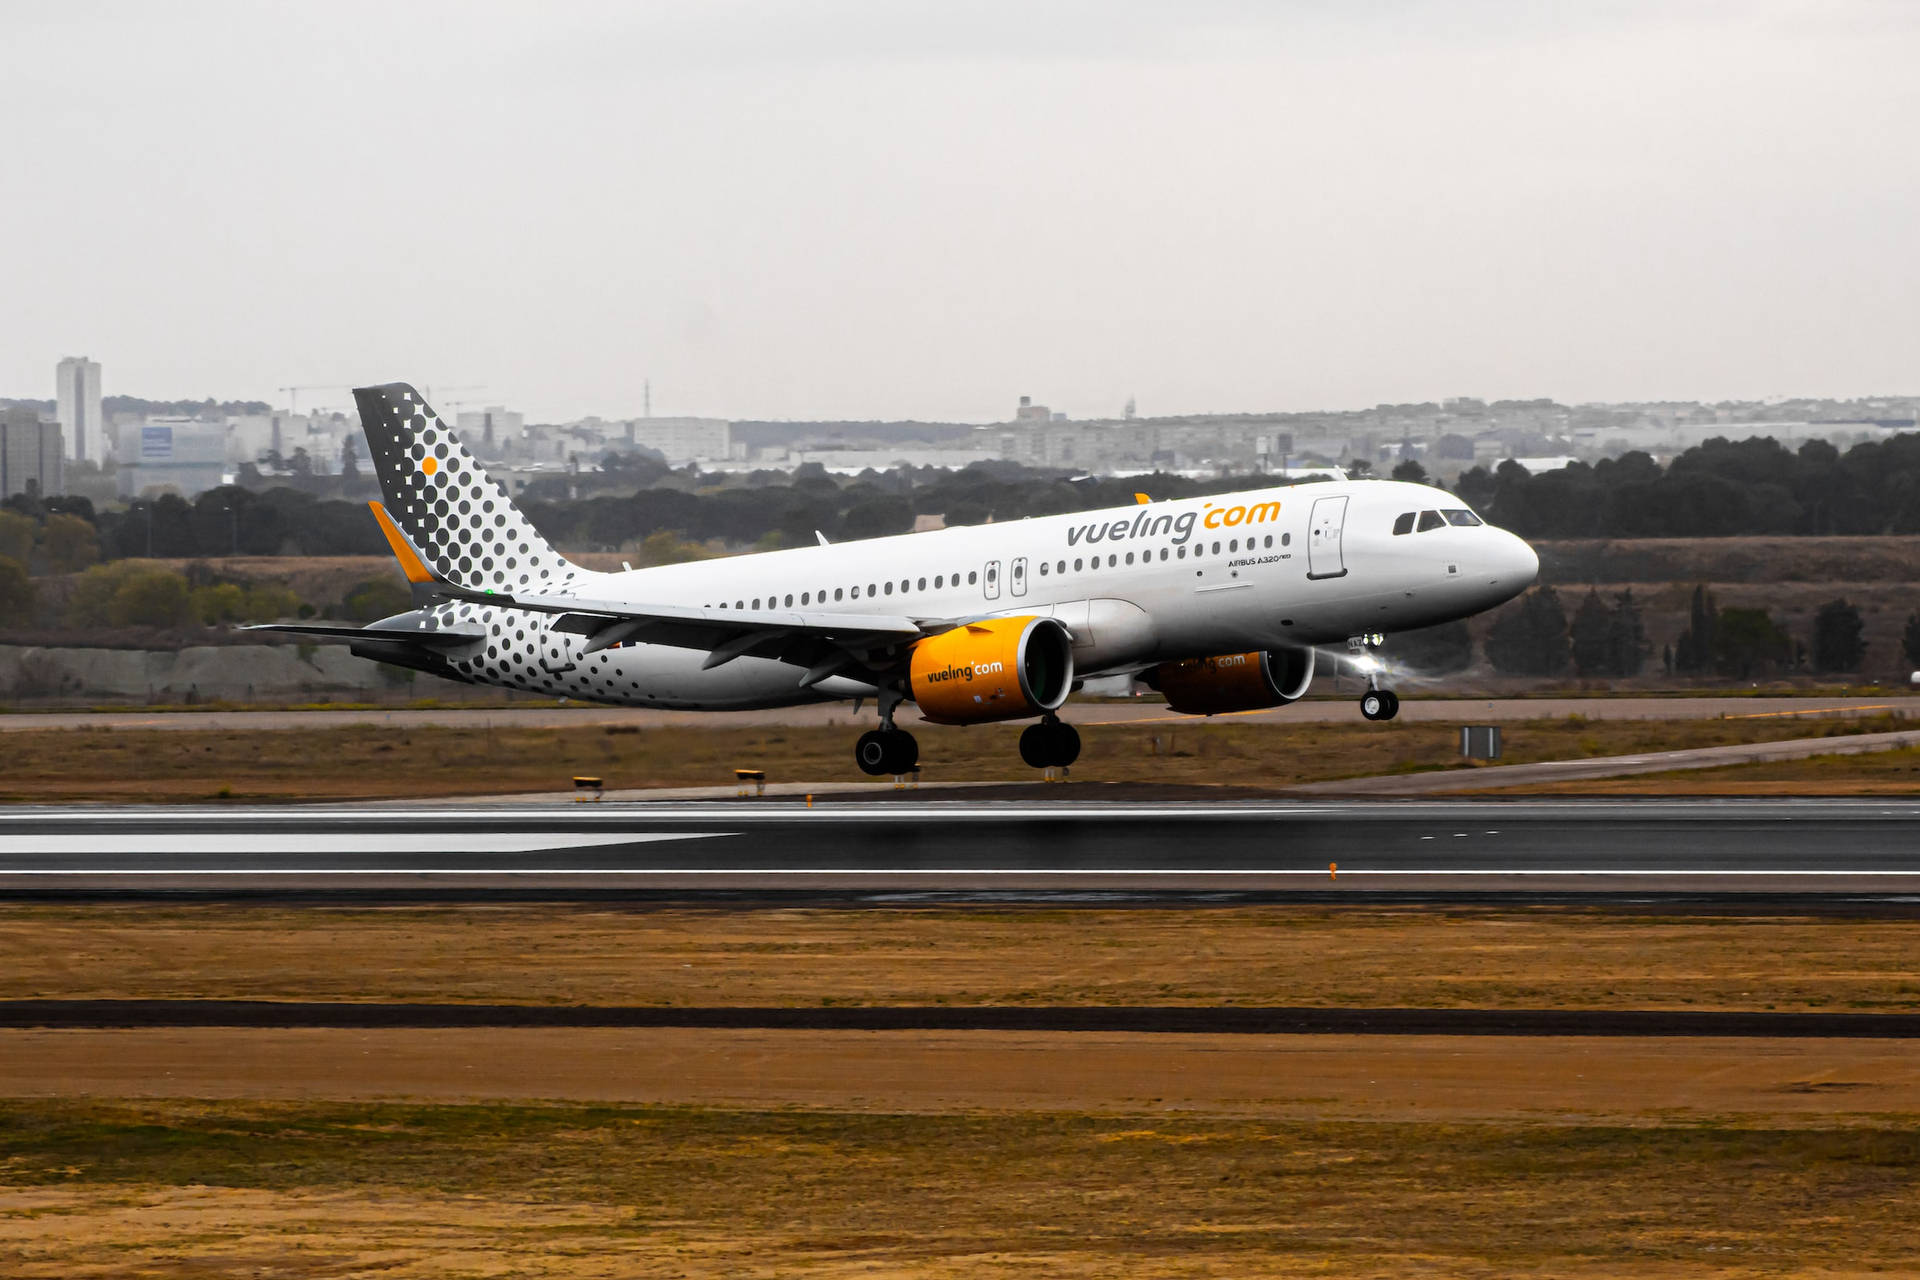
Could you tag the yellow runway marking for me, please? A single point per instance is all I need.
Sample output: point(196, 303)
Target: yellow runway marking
point(1811, 711)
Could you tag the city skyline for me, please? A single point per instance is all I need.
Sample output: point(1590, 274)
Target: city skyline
point(901, 211)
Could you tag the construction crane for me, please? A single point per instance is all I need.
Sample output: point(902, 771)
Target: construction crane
point(293, 395)
point(453, 406)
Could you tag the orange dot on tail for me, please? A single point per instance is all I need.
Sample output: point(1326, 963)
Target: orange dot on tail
point(430, 465)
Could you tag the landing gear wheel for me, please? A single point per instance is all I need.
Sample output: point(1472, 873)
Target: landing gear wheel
point(1393, 704)
point(1049, 746)
point(886, 751)
point(871, 753)
point(1378, 704)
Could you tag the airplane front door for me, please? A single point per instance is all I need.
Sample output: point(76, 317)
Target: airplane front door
point(1325, 559)
point(990, 580)
point(1018, 582)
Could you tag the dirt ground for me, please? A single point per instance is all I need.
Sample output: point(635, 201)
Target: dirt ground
point(1881, 773)
point(372, 762)
point(1277, 954)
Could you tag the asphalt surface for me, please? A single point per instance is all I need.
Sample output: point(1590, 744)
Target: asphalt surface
point(906, 847)
point(1414, 706)
point(1153, 1019)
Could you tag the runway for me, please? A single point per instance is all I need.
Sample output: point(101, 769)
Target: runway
point(895, 851)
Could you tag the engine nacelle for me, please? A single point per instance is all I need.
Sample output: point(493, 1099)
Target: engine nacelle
point(993, 669)
point(1234, 681)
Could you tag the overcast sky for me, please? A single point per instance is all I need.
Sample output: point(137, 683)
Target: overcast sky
point(903, 210)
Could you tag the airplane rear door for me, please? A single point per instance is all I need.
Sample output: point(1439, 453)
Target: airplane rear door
point(1018, 582)
point(1325, 559)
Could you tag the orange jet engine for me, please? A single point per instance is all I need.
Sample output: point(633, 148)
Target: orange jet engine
point(993, 669)
point(1233, 681)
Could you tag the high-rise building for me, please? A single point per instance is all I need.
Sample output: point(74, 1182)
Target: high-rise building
point(31, 459)
point(78, 399)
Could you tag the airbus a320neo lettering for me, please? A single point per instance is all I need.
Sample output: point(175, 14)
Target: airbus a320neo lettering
point(1217, 602)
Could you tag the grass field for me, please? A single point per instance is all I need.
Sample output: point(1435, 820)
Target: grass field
point(370, 761)
point(1874, 774)
point(326, 1189)
point(1467, 956)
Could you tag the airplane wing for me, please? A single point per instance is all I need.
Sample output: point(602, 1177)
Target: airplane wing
point(435, 638)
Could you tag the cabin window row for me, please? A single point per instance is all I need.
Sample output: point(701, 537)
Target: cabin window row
point(940, 581)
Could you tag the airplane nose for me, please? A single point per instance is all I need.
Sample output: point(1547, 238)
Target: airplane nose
point(1525, 561)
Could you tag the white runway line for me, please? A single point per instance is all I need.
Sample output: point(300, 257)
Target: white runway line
point(957, 872)
point(312, 842)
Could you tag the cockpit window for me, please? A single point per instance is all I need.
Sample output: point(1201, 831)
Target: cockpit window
point(1461, 516)
point(1431, 520)
point(1404, 524)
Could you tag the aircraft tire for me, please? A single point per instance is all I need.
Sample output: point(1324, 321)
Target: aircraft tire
point(1066, 747)
point(1036, 746)
point(903, 752)
point(1374, 704)
point(1393, 704)
point(872, 753)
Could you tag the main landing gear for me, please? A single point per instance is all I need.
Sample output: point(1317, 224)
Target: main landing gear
point(886, 750)
point(1050, 744)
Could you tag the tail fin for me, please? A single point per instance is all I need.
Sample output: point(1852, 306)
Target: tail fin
point(460, 519)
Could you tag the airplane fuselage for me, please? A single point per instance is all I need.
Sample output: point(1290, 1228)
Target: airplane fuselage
point(1265, 569)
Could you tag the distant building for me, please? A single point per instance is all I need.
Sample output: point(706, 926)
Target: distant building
point(77, 397)
point(490, 429)
point(177, 454)
point(1031, 412)
point(31, 457)
point(683, 440)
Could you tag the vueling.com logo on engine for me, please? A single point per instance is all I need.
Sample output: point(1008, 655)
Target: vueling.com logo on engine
point(965, 672)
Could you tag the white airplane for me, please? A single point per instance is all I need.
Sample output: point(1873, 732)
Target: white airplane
point(1217, 602)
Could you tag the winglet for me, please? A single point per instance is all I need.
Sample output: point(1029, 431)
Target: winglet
point(410, 562)
point(1142, 499)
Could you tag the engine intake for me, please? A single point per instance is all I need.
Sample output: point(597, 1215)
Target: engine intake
point(1234, 681)
point(993, 669)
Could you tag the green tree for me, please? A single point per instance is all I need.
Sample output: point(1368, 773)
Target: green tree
point(1694, 653)
point(1433, 651)
point(71, 543)
point(1910, 641)
point(1627, 645)
point(219, 602)
point(16, 593)
point(1837, 645)
point(376, 598)
point(1591, 633)
point(1410, 471)
point(16, 536)
point(155, 598)
point(1530, 638)
point(129, 593)
point(1747, 641)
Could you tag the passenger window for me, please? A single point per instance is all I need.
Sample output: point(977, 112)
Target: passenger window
point(806, 597)
point(1269, 540)
point(1078, 565)
point(1403, 523)
point(739, 604)
point(756, 602)
point(1129, 557)
point(1112, 561)
point(1163, 553)
point(906, 585)
point(923, 584)
point(1093, 562)
point(872, 590)
point(789, 601)
point(1461, 517)
point(1430, 520)
point(889, 588)
point(1216, 548)
point(856, 593)
point(837, 591)
point(1043, 568)
point(1183, 553)
point(1234, 545)
point(1062, 568)
point(973, 577)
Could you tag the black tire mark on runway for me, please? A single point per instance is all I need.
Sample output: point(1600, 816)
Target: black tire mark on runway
point(1159, 1019)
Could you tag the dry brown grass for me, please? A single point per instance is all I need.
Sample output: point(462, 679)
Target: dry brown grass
point(369, 761)
point(328, 1189)
point(1880, 773)
point(1428, 957)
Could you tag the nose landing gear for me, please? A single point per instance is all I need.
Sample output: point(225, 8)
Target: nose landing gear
point(1376, 703)
point(1049, 744)
point(1380, 704)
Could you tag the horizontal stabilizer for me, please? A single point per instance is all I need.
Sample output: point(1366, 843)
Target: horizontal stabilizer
point(438, 638)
